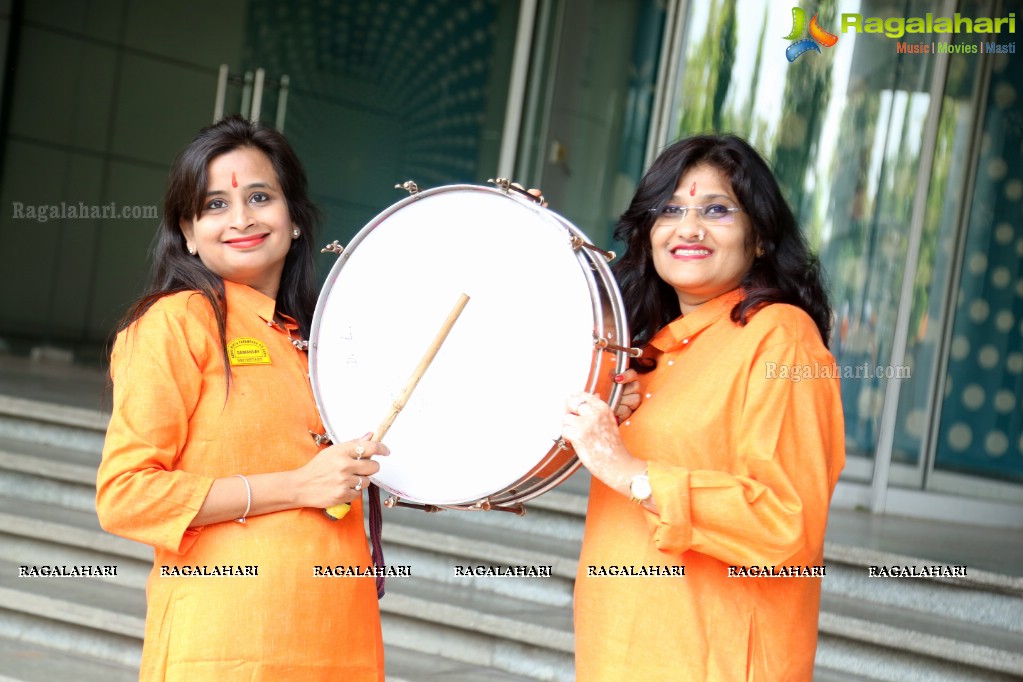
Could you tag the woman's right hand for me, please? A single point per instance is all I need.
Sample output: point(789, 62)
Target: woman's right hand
point(330, 478)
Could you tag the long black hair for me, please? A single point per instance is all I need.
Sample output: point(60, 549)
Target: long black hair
point(786, 272)
point(174, 270)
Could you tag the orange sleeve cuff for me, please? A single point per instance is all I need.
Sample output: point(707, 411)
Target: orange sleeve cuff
point(673, 524)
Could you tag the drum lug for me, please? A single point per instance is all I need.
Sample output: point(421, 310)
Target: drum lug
point(333, 247)
point(485, 505)
point(604, 344)
point(321, 439)
point(504, 184)
point(409, 186)
point(394, 501)
point(580, 243)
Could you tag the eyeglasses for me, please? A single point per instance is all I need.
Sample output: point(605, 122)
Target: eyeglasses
point(715, 214)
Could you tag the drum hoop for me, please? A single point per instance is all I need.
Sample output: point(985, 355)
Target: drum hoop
point(608, 312)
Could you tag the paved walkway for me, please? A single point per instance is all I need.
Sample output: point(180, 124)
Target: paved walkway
point(989, 549)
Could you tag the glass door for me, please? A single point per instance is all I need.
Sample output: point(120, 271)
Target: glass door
point(380, 93)
point(588, 107)
point(103, 95)
point(978, 439)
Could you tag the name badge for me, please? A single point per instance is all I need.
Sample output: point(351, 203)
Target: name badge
point(247, 351)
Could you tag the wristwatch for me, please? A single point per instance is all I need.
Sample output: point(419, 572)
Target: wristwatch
point(640, 488)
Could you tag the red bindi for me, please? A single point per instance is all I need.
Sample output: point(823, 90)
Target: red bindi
point(692, 190)
point(234, 180)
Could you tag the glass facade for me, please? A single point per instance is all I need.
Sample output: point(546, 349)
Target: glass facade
point(981, 430)
point(903, 169)
point(588, 106)
point(102, 95)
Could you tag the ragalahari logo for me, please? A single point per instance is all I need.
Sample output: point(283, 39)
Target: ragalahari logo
point(818, 36)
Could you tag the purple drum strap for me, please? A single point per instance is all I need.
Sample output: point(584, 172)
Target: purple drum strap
point(376, 524)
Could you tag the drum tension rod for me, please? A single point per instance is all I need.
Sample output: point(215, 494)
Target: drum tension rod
point(485, 505)
point(409, 186)
point(333, 247)
point(394, 501)
point(322, 439)
point(580, 243)
point(505, 184)
point(607, 345)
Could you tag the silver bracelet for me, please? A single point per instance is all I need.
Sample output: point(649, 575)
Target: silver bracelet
point(248, 501)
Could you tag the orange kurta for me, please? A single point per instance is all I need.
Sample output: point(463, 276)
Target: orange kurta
point(172, 432)
point(742, 464)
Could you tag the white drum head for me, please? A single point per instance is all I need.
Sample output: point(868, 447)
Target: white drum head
point(491, 403)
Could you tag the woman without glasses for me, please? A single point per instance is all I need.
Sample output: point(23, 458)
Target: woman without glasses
point(209, 457)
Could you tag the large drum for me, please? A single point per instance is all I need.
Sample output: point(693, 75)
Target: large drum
point(544, 319)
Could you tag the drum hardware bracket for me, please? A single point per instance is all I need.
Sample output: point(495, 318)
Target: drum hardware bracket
point(604, 344)
point(486, 505)
point(321, 439)
point(504, 184)
point(409, 186)
point(394, 501)
point(580, 243)
point(333, 247)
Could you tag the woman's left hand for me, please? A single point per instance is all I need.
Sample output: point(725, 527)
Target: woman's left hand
point(630, 398)
point(590, 426)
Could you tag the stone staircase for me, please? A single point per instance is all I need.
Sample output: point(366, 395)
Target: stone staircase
point(917, 629)
point(438, 626)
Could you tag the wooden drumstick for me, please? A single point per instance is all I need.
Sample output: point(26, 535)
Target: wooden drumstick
point(339, 510)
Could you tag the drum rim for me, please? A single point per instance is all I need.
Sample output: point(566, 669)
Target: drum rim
point(604, 293)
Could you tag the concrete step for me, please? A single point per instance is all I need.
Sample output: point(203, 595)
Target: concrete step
point(90, 643)
point(495, 655)
point(71, 527)
point(545, 627)
point(55, 473)
point(842, 659)
point(461, 534)
point(49, 461)
point(404, 665)
point(27, 662)
point(493, 630)
point(503, 635)
point(443, 569)
point(920, 633)
point(558, 513)
point(86, 602)
point(120, 608)
point(52, 423)
point(822, 674)
point(866, 557)
point(968, 599)
point(964, 628)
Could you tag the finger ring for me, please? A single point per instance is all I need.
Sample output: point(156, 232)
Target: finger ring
point(359, 451)
point(358, 486)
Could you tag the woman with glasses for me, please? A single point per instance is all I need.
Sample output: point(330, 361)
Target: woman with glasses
point(703, 550)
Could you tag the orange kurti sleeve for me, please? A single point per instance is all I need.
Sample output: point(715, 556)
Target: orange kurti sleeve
point(155, 367)
point(754, 512)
